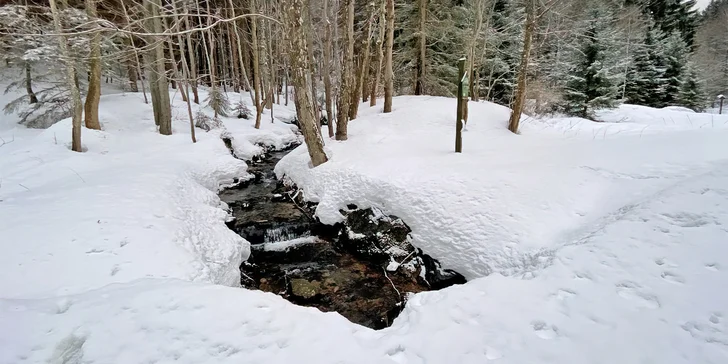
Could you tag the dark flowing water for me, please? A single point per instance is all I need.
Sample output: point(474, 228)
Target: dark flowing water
point(347, 268)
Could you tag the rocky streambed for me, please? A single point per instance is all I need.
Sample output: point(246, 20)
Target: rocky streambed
point(363, 268)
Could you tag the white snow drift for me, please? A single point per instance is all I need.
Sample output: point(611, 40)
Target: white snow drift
point(585, 242)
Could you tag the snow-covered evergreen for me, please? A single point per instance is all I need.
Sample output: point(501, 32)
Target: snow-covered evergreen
point(590, 83)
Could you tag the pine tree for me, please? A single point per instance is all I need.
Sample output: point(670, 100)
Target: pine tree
point(674, 56)
point(691, 91)
point(590, 82)
point(645, 80)
point(501, 57)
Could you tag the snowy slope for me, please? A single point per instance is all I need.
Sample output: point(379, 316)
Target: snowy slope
point(135, 205)
point(600, 250)
point(507, 200)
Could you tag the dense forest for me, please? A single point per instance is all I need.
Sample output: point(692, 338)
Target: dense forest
point(536, 56)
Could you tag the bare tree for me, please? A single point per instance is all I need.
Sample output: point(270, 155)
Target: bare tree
point(381, 31)
point(157, 72)
point(327, 49)
point(346, 75)
point(296, 36)
point(77, 107)
point(422, 47)
point(93, 95)
point(520, 95)
point(388, 74)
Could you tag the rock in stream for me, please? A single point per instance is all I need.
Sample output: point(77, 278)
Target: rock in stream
point(363, 269)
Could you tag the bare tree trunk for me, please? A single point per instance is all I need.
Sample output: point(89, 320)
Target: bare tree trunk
point(295, 33)
point(185, 75)
point(241, 59)
point(422, 46)
point(131, 70)
point(139, 70)
point(193, 62)
point(77, 106)
point(256, 65)
point(346, 75)
point(362, 71)
point(93, 96)
point(520, 96)
point(29, 84)
point(327, 71)
point(380, 56)
point(157, 73)
point(388, 75)
point(479, 4)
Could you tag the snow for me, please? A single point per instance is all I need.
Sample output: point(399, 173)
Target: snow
point(584, 242)
point(135, 205)
point(287, 244)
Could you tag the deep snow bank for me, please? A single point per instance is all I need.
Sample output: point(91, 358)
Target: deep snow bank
point(135, 205)
point(507, 200)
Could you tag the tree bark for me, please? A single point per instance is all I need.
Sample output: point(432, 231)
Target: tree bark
point(256, 65)
point(388, 75)
point(29, 85)
point(347, 70)
point(193, 62)
point(327, 71)
point(362, 71)
point(380, 56)
point(93, 96)
point(520, 96)
point(185, 76)
point(157, 73)
point(76, 105)
point(422, 46)
point(295, 33)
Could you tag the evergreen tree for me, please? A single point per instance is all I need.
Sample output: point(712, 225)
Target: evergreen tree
point(498, 72)
point(645, 84)
point(691, 91)
point(590, 83)
point(675, 51)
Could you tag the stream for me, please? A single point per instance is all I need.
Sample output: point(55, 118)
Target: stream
point(363, 268)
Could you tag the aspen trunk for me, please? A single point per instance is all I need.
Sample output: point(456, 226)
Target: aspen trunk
point(93, 96)
point(520, 96)
point(77, 106)
point(295, 33)
point(388, 75)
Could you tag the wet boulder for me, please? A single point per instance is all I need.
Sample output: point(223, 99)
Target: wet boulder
point(376, 236)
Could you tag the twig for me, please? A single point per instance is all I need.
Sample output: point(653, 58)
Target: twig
point(4, 142)
point(79, 176)
point(392, 283)
point(21, 185)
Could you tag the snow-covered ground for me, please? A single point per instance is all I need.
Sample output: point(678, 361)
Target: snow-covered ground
point(585, 242)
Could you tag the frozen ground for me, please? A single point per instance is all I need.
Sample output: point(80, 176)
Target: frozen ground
point(585, 242)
